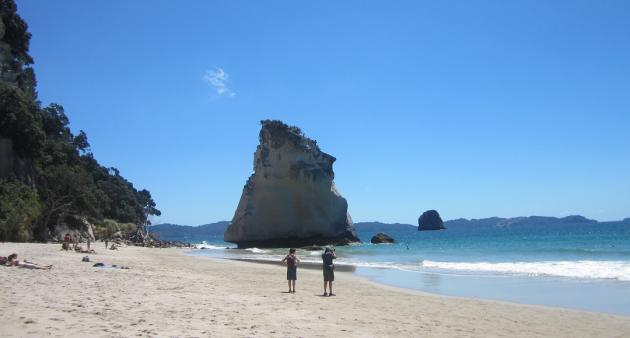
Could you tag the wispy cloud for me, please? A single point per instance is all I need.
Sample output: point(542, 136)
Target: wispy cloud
point(218, 79)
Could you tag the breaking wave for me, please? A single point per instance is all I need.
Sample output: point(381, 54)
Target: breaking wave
point(618, 270)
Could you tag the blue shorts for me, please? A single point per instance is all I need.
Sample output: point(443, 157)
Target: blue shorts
point(292, 273)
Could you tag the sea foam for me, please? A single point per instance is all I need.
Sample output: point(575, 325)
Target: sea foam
point(205, 245)
point(618, 270)
point(256, 250)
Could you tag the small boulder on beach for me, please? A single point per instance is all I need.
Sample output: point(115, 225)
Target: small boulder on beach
point(382, 237)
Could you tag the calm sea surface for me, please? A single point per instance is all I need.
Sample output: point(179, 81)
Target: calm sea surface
point(580, 266)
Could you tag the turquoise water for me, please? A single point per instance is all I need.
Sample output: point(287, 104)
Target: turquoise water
point(581, 266)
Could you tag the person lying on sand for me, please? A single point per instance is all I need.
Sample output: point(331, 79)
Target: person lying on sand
point(13, 261)
point(80, 249)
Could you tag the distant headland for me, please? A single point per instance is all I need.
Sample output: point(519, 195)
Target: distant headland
point(187, 233)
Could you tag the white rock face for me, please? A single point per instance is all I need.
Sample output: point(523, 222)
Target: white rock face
point(290, 199)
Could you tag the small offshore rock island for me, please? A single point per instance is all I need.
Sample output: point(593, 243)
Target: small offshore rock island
point(290, 200)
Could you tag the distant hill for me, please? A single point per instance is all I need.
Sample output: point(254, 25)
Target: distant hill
point(491, 222)
point(498, 222)
point(187, 233)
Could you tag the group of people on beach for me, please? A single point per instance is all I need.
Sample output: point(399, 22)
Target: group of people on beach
point(73, 242)
point(69, 243)
point(328, 268)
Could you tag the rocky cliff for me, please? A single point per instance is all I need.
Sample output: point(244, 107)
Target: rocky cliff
point(290, 199)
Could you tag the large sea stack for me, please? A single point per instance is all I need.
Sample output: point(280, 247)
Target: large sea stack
point(290, 200)
point(430, 220)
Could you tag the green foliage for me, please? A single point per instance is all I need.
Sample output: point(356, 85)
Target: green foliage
point(15, 32)
point(14, 44)
point(68, 180)
point(67, 190)
point(108, 227)
point(19, 211)
point(20, 120)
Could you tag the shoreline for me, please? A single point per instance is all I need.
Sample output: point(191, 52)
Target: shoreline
point(591, 295)
point(168, 293)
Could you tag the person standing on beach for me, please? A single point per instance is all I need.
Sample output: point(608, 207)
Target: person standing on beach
point(329, 270)
point(291, 260)
point(66, 242)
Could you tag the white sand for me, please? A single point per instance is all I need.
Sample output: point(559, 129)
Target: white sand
point(168, 294)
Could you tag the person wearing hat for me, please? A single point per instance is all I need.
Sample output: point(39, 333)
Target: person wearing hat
point(329, 270)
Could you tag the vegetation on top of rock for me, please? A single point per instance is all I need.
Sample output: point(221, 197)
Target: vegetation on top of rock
point(277, 125)
point(281, 132)
point(49, 176)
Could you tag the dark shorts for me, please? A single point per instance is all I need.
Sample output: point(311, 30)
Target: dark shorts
point(329, 274)
point(292, 273)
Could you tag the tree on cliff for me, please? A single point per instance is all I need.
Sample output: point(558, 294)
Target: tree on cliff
point(19, 211)
point(68, 182)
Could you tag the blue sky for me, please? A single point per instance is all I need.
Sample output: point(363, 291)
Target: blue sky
point(473, 108)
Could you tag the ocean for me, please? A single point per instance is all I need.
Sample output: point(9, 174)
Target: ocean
point(583, 266)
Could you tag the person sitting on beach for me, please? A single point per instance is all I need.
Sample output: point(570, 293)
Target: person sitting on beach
point(13, 261)
point(292, 261)
point(329, 270)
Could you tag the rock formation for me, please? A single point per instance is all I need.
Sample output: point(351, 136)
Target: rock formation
point(382, 237)
point(290, 199)
point(75, 226)
point(430, 220)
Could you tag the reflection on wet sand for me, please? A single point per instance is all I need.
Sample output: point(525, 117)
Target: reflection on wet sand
point(431, 281)
point(304, 265)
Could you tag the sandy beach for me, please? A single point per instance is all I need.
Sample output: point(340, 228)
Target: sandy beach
point(166, 293)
